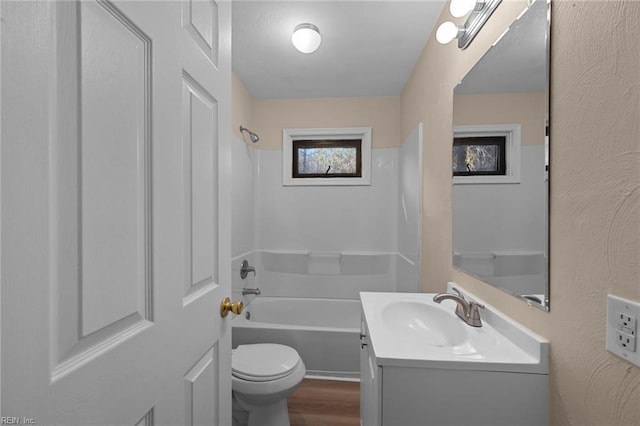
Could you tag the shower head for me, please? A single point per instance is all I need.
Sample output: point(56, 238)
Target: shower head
point(254, 138)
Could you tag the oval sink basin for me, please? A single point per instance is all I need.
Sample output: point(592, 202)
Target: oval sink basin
point(421, 324)
point(426, 323)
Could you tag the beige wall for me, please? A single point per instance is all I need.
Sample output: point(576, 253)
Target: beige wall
point(241, 107)
point(526, 109)
point(270, 116)
point(595, 195)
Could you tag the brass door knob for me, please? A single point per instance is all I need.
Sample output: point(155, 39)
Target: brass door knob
point(227, 306)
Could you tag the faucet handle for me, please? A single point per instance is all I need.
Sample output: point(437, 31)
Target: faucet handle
point(475, 307)
point(461, 310)
point(474, 319)
point(245, 269)
point(459, 294)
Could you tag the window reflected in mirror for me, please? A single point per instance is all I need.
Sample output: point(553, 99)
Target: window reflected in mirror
point(479, 155)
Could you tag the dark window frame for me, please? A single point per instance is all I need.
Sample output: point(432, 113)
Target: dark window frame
point(501, 141)
point(326, 143)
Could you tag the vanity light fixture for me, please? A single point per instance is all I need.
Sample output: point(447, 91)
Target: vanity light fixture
point(460, 8)
point(306, 38)
point(480, 11)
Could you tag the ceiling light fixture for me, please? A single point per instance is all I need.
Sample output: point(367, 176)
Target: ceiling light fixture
point(306, 38)
point(480, 11)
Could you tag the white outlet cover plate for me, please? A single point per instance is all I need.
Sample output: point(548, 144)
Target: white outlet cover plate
point(616, 305)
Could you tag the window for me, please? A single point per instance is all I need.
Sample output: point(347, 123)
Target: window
point(479, 156)
point(486, 154)
point(340, 156)
point(327, 158)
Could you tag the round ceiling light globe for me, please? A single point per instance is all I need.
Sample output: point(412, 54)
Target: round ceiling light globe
point(306, 38)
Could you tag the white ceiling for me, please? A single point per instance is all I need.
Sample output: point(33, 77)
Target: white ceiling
point(369, 48)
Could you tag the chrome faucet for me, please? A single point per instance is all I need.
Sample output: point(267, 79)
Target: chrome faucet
point(245, 269)
point(255, 291)
point(469, 312)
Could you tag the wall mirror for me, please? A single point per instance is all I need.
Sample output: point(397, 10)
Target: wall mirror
point(501, 162)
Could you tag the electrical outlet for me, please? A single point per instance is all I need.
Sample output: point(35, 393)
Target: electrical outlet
point(626, 341)
point(626, 321)
point(622, 328)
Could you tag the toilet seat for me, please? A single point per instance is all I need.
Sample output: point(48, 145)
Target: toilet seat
point(263, 362)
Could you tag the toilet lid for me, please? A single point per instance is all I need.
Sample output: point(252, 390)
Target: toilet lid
point(262, 362)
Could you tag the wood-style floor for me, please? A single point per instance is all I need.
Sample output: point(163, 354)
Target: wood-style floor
point(325, 403)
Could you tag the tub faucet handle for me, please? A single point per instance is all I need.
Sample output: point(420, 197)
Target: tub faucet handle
point(245, 269)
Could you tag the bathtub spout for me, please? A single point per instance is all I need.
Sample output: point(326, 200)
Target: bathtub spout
point(255, 291)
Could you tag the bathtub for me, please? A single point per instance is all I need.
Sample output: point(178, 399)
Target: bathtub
point(325, 332)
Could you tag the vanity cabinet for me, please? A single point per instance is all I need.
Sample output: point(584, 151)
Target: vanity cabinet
point(405, 391)
point(370, 382)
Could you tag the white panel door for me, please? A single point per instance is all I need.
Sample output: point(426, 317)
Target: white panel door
point(115, 220)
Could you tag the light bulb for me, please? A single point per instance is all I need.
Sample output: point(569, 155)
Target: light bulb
point(446, 32)
point(459, 8)
point(306, 38)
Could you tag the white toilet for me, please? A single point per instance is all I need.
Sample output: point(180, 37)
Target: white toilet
point(263, 377)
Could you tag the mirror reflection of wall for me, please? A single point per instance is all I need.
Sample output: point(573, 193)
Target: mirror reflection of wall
point(500, 218)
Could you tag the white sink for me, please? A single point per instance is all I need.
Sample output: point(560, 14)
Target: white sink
point(426, 324)
point(410, 329)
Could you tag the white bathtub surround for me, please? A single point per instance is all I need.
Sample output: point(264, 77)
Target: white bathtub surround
point(325, 332)
point(328, 241)
point(409, 215)
point(339, 275)
point(324, 263)
point(327, 218)
point(243, 206)
point(237, 283)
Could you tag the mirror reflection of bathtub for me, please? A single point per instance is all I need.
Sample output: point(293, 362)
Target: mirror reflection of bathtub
point(325, 332)
point(520, 272)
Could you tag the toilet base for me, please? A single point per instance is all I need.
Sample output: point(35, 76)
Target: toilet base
point(276, 414)
point(270, 415)
point(239, 416)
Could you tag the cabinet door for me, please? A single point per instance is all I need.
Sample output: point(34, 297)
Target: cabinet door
point(370, 384)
